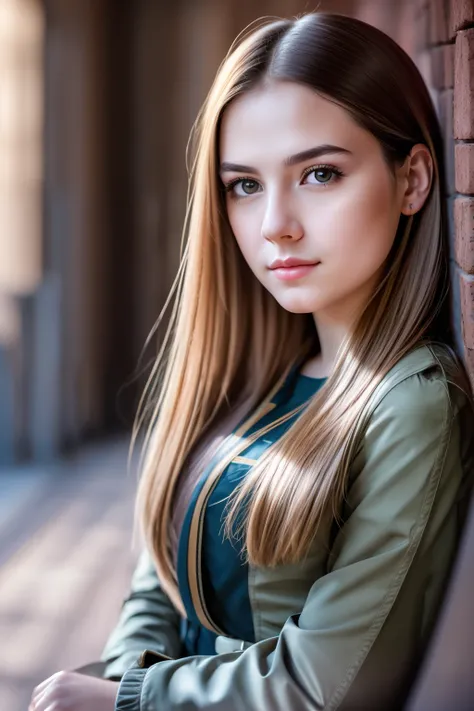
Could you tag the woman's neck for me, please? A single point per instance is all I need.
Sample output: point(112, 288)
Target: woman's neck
point(333, 329)
point(334, 325)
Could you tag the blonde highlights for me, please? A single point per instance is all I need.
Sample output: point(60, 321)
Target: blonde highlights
point(229, 343)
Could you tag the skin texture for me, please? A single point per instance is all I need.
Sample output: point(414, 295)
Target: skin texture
point(68, 691)
point(346, 222)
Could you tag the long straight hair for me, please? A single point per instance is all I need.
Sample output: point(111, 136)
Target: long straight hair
point(229, 343)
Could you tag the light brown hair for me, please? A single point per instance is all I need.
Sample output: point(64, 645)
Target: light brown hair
point(230, 343)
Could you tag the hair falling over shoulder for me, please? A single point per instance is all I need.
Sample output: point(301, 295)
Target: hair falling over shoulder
point(229, 342)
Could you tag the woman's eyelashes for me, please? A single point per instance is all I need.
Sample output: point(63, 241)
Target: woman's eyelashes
point(242, 187)
point(321, 175)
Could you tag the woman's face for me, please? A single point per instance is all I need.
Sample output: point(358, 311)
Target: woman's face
point(307, 186)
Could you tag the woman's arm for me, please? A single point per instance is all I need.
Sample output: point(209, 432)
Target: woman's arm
point(358, 637)
point(148, 621)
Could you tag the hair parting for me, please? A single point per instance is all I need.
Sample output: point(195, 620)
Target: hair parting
point(229, 343)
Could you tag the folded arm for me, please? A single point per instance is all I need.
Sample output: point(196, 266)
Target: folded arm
point(148, 621)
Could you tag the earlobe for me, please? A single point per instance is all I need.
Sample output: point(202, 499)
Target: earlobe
point(409, 209)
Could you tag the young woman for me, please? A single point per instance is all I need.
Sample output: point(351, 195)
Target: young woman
point(308, 452)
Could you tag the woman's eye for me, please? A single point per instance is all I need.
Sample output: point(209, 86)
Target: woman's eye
point(249, 186)
point(244, 187)
point(321, 176)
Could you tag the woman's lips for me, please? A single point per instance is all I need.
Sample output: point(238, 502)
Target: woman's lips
point(293, 272)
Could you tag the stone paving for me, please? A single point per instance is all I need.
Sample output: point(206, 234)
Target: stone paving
point(65, 564)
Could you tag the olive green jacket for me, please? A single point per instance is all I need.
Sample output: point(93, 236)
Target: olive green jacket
point(345, 628)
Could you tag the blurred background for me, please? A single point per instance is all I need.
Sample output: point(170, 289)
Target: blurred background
point(97, 98)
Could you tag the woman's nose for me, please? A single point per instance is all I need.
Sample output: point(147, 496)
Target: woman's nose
point(280, 224)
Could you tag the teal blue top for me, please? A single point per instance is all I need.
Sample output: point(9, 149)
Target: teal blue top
point(223, 568)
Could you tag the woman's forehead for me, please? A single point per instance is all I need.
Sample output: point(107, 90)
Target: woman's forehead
point(284, 118)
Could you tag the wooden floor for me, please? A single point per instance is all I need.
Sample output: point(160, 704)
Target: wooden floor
point(65, 565)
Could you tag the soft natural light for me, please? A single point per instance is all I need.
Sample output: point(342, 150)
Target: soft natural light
point(21, 133)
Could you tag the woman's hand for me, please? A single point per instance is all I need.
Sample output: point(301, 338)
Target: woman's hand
point(69, 691)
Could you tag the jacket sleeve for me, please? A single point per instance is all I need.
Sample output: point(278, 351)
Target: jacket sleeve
point(148, 620)
point(354, 643)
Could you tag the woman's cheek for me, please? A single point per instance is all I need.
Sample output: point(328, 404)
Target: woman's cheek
point(249, 240)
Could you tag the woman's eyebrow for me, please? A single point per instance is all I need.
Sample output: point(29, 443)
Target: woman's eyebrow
point(316, 152)
point(309, 154)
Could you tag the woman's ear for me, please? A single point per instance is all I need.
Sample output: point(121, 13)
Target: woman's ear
point(417, 174)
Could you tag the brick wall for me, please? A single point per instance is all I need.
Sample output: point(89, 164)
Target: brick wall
point(445, 53)
point(462, 29)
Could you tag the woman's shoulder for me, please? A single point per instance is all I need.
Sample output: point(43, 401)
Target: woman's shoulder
point(420, 419)
point(428, 380)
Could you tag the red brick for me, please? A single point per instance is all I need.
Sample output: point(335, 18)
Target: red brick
point(445, 101)
point(466, 284)
point(439, 30)
point(464, 161)
point(464, 233)
point(464, 85)
point(461, 15)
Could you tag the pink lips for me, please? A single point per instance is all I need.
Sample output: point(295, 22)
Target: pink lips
point(292, 268)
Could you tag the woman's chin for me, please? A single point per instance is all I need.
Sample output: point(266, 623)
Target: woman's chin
point(299, 305)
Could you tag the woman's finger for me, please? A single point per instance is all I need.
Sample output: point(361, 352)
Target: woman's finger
point(41, 698)
point(38, 690)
